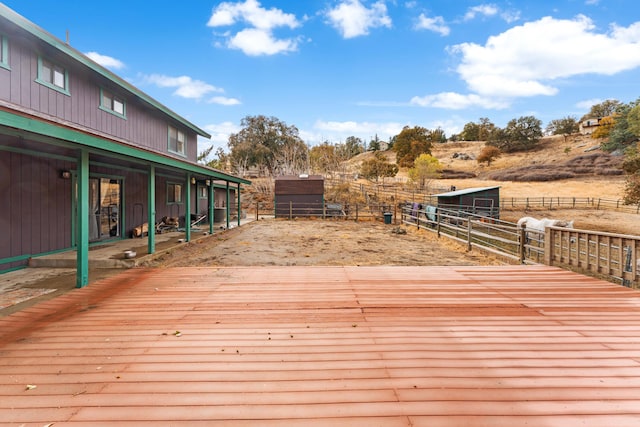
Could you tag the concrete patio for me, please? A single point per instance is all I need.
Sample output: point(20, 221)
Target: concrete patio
point(357, 346)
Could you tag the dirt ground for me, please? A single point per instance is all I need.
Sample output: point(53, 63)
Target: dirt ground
point(317, 242)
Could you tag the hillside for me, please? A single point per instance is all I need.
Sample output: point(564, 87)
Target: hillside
point(556, 168)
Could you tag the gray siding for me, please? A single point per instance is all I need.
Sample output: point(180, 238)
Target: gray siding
point(143, 126)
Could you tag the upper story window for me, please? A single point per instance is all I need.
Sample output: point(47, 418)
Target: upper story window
point(4, 52)
point(177, 141)
point(112, 104)
point(53, 76)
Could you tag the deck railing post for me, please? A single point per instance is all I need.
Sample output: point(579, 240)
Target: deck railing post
point(522, 243)
point(548, 246)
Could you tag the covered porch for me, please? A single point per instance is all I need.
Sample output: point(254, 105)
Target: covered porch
point(68, 189)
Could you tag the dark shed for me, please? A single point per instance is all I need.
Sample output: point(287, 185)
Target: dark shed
point(483, 201)
point(299, 195)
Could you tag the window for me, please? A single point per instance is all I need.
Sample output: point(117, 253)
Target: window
point(53, 76)
point(177, 141)
point(203, 192)
point(112, 104)
point(4, 52)
point(174, 193)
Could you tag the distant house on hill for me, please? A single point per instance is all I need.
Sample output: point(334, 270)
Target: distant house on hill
point(587, 127)
point(86, 157)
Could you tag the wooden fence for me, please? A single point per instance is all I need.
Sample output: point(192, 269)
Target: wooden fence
point(613, 256)
point(405, 194)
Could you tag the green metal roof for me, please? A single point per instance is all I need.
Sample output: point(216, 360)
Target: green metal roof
point(51, 40)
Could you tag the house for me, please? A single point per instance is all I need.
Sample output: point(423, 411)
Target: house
point(482, 201)
point(85, 157)
point(299, 195)
point(587, 127)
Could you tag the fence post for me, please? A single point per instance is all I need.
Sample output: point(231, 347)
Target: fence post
point(548, 246)
point(356, 212)
point(522, 243)
point(257, 210)
point(324, 209)
point(290, 209)
point(438, 215)
point(468, 234)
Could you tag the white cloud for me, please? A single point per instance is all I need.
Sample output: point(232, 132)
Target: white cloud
point(223, 100)
point(219, 135)
point(456, 101)
point(529, 59)
point(436, 24)
point(256, 42)
point(106, 61)
point(352, 19)
point(525, 60)
point(258, 38)
point(335, 131)
point(588, 103)
point(186, 87)
point(483, 9)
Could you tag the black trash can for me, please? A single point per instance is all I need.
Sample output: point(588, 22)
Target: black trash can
point(388, 216)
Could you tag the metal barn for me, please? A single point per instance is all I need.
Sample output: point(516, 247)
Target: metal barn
point(482, 201)
point(299, 195)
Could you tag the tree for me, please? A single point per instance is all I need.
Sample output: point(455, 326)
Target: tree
point(374, 145)
point(521, 134)
point(410, 143)
point(426, 167)
point(377, 167)
point(631, 166)
point(470, 132)
point(352, 147)
point(605, 126)
point(603, 109)
point(488, 154)
point(268, 143)
point(323, 158)
point(565, 127)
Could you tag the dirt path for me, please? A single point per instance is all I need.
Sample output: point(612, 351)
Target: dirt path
point(316, 242)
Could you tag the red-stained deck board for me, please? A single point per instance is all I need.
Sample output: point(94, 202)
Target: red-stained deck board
point(315, 346)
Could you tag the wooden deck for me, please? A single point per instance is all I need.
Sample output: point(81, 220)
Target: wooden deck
point(327, 346)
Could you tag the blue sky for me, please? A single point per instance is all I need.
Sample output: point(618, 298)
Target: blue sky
point(337, 68)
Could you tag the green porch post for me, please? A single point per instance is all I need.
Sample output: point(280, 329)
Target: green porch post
point(187, 210)
point(151, 210)
point(82, 249)
point(239, 207)
point(212, 211)
point(228, 207)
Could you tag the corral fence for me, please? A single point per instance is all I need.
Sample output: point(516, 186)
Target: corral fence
point(391, 191)
point(326, 210)
point(613, 256)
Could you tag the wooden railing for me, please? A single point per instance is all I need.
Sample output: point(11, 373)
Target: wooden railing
point(613, 256)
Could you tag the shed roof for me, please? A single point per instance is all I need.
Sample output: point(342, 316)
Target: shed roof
point(466, 191)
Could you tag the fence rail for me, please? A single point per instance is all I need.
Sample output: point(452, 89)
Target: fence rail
point(404, 194)
point(614, 256)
